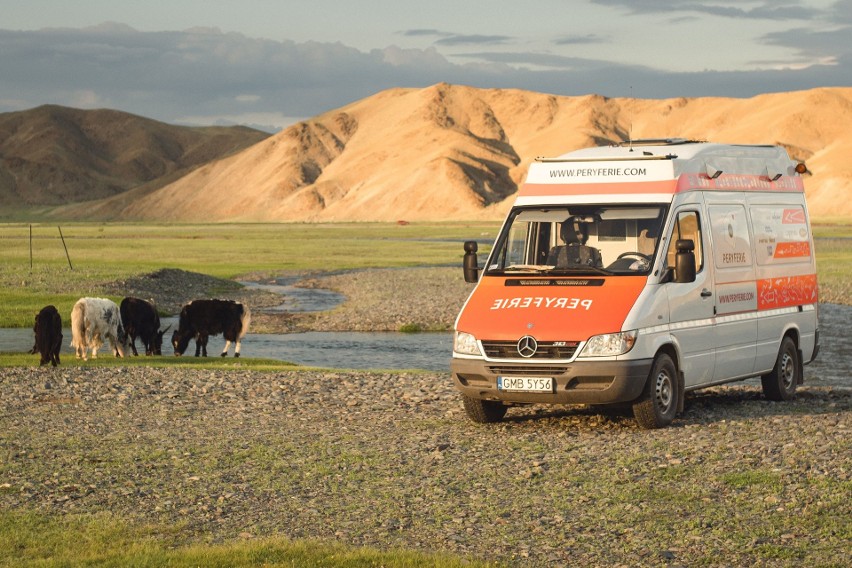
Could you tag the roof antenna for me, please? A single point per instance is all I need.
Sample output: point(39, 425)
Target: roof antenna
point(630, 127)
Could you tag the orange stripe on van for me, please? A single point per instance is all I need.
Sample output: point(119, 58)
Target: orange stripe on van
point(786, 291)
point(739, 182)
point(627, 188)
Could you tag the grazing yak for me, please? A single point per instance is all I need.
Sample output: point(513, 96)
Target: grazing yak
point(93, 321)
point(200, 319)
point(141, 320)
point(48, 335)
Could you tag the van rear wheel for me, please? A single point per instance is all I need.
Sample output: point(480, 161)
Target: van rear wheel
point(657, 406)
point(780, 383)
point(484, 411)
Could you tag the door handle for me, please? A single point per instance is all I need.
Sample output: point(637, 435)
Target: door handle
point(705, 293)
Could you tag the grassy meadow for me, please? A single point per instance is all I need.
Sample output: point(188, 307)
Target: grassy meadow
point(38, 268)
point(834, 262)
point(37, 271)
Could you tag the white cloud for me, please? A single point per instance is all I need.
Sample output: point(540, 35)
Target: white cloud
point(266, 121)
point(203, 75)
point(86, 99)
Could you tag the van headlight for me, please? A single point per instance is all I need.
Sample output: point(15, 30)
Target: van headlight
point(609, 344)
point(465, 344)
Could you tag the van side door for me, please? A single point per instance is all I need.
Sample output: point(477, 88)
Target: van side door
point(736, 290)
point(691, 304)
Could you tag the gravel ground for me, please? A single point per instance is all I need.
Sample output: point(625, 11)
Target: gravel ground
point(417, 299)
point(390, 460)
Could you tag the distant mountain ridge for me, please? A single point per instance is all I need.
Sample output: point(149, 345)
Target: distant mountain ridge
point(53, 155)
point(450, 152)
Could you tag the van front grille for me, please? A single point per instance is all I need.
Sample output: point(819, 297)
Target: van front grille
point(546, 350)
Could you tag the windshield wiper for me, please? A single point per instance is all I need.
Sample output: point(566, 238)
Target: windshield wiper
point(527, 268)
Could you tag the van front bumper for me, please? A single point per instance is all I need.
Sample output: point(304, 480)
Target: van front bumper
point(598, 382)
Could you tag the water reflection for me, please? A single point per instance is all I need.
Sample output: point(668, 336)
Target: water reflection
point(357, 350)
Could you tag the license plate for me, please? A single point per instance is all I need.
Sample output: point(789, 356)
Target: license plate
point(525, 384)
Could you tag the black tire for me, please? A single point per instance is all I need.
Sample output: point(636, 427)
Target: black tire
point(780, 383)
point(657, 406)
point(484, 411)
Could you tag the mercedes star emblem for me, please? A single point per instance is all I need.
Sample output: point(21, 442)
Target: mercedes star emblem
point(527, 346)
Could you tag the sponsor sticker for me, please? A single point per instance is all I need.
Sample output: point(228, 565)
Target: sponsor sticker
point(786, 291)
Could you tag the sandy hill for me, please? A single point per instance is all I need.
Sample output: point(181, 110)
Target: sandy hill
point(455, 152)
point(53, 155)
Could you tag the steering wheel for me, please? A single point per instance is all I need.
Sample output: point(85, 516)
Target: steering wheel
point(636, 254)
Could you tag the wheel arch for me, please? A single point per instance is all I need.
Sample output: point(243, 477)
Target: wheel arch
point(793, 333)
point(671, 350)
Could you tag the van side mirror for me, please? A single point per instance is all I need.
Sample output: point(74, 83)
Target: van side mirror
point(685, 261)
point(469, 263)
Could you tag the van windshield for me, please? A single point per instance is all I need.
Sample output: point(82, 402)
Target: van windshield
point(605, 239)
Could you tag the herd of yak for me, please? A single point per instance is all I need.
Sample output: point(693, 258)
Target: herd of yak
point(97, 320)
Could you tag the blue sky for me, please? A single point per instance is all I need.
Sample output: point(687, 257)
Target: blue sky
point(272, 62)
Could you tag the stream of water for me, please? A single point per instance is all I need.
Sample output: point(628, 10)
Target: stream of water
point(429, 351)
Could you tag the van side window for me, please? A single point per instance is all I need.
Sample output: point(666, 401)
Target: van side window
point(687, 226)
point(731, 240)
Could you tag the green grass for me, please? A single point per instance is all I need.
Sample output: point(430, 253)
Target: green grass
point(32, 539)
point(106, 359)
point(834, 262)
point(228, 250)
point(755, 479)
point(36, 271)
point(214, 362)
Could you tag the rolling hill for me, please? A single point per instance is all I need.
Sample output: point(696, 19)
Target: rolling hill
point(453, 152)
point(53, 155)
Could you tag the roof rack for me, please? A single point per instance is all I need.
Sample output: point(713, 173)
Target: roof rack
point(658, 142)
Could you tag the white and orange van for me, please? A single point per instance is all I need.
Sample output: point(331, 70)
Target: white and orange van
point(638, 272)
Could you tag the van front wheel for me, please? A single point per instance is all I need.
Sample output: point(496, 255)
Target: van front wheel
point(484, 411)
point(780, 383)
point(657, 406)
